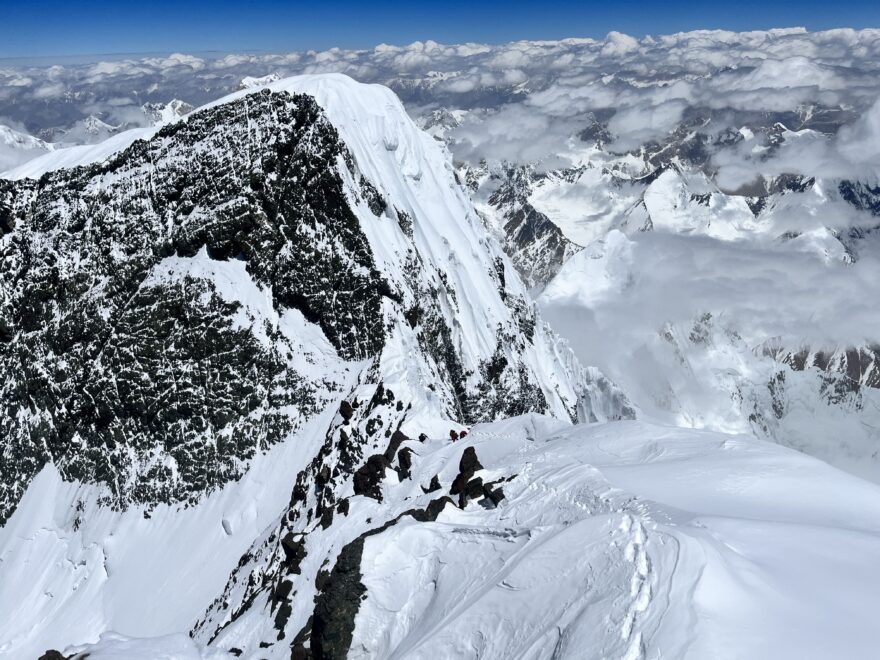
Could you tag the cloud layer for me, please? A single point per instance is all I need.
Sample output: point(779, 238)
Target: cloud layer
point(525, 100)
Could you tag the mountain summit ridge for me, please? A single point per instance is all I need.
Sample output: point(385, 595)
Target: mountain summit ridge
point(215, 293)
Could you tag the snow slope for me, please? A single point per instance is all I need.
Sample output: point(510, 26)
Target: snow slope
point(136, 573)
point(83, 154)
point(624, 539)
point(628, 540)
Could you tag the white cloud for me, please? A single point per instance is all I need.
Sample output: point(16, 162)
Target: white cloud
point(853, 153)
point(639, 124)
point(617, 44)
point(551, 87)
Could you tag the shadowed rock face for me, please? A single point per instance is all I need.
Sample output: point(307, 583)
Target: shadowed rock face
point(103, 361)
point(125, 362)
point(536, 245)
point(846, 370)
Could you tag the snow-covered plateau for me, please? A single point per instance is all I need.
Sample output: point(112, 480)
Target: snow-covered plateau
point(273, 389)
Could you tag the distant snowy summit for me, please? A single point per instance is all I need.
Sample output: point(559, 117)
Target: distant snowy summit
point(251, 82)
point(159, 114)
point(17, 147)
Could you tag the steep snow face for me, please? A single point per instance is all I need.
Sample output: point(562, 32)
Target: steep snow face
point(73, 569)
point(205, 298)
point(624, 539)
point(426, 221)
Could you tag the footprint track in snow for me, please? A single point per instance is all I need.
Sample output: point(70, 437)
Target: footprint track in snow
point(641, 583)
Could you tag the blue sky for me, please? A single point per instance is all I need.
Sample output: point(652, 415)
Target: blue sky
point(31, 28)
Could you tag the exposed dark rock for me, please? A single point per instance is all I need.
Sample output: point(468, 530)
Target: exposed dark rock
point(346, 410)
point(282, 615)
point(337, 605)
point(396, 439)
point(282, 591)
point(368, 477)
point(790, 183)
point(107, 377)
point(596, 131)
point(468, 465)
point(298, 650)
point(433, 486)
point(861, 196)
point(404, 463)
point(473, 489)
point(373, 198)
point(856, 367)
point(534, 243)
point(326, 518)
point(430, 512)
point(323, 476)
point(294, 547)
point(52, 654)
point(341, 591)
point(405, 222)
point(756, 204)
point(494, 495)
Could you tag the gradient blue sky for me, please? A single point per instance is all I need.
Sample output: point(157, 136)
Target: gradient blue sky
point(31, 28)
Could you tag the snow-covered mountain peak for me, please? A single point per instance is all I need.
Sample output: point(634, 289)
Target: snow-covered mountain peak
point(258, 82)
point(292, 270)
point(159, 114)
point(16, 147)
point(13, 138)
